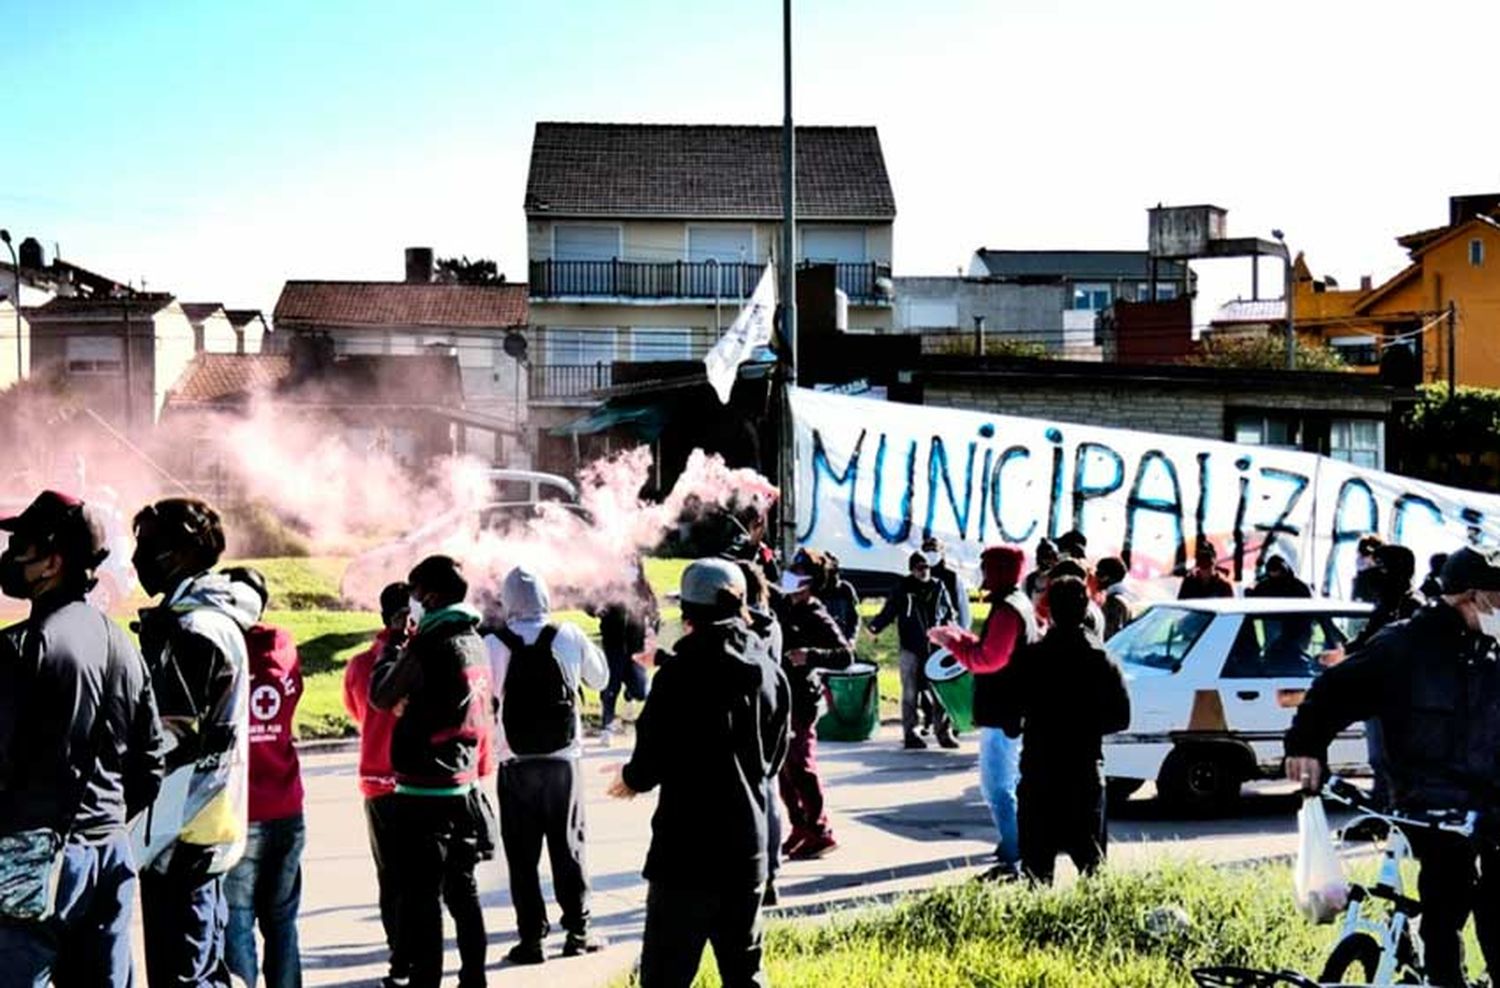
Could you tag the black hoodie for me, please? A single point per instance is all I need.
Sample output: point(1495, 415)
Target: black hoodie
point(713, 730)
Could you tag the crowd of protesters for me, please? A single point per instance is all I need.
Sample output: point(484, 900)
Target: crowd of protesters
point(195, 726)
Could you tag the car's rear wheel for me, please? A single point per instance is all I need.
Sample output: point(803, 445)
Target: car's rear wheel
point(1201, 778)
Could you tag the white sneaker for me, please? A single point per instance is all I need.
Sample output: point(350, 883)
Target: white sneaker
point(632, 711)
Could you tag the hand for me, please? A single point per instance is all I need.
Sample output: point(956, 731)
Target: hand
point(400, 707)
point(617, 789)
point(645, 658)
point(797, 657)
point(1308, 772)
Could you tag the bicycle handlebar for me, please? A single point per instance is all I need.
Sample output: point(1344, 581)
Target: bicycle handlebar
point(1461, 822)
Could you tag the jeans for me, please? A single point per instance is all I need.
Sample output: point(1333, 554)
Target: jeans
point(265, 888)
point(773, 831)
point(1451, 885)
point(680, 922)
point(86, 943)
point(801, 789)
point(1062, 813)
point(184, 915)
point(999, 774)
point(433, 845)
point(1380, 792)
point(914, 686)
point(541, 800)
point(626, 675)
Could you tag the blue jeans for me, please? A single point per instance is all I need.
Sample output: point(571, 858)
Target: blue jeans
point(87, 940)
point(999, 772)
point(624, 675)
point(265, 887)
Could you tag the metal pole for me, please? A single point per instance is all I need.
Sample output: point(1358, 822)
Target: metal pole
point(15, 270)
point(1452, 347)
point(788, 291)
point(1291, 330)
point(129, 391)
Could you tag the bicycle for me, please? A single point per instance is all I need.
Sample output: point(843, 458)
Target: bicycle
point(1376, 935)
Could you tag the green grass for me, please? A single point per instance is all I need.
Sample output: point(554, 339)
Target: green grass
point(302, 583)
point(1094, 934)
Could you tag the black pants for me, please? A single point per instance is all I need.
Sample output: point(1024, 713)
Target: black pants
point(679, 922)
point(542, 800)
point(431, 856)
point(1457, 878)
point(1060, 813)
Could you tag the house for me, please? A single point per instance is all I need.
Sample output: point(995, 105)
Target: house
point(212, 330)
point(35, 282)
point(249, 329)
point(406, 406)
point(478, 324)
point(121, 354)
point(1047, 297)
point(644, 239)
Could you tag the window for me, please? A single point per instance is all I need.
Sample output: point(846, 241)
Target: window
point(1256, 429)
point(1357, 441)
point(585, 243)
point(1357, 351)
point(674, 343)
point(1476, 252)
point(833, 244)
point(1160, 638)
point(583, 346)
point(96, 355)
point(732, 250)
point(1287, 645)
point(1165, 291)
point(1092, 296)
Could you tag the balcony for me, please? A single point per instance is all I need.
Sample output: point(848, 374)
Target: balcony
point(569, 384)
point(705, 281)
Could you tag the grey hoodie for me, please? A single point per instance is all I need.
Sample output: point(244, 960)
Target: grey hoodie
point(194, 644)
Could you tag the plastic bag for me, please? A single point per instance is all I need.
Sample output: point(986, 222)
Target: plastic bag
point(1322, 892)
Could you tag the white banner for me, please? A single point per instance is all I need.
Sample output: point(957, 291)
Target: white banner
point(750, 331)
point(874, 478)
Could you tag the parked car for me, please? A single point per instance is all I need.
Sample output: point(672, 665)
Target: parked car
point(531, 487)
point(1213, 687)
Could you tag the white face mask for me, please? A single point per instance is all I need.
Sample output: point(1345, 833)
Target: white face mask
point(1489, 624)
point(933, 558)
point(416, 610)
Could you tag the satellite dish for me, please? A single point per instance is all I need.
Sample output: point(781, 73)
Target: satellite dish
point(515, 346)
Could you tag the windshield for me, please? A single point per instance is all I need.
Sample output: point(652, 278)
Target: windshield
point(1160, 638)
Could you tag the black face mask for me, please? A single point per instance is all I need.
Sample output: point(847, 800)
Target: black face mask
point(13, 582)
point(151, 570)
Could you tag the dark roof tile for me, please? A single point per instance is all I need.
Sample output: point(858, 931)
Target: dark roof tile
point(397, 303)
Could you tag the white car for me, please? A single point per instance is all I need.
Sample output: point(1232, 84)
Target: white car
point(1213, 687)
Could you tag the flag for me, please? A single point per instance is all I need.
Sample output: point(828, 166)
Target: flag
point(750, 331)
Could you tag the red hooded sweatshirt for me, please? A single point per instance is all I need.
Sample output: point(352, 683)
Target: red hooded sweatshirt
point(376, 776)
point(1006, 627)
point(275, 689)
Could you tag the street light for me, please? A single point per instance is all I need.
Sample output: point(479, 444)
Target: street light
point(1291, 332)
point(15, 270)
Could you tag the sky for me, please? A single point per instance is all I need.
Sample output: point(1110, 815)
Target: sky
point(217, 148)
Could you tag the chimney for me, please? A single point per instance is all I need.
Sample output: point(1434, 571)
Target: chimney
point(418, 265)
point(1366, 282)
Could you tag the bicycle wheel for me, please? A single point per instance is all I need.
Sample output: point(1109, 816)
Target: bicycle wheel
point(1354, 961)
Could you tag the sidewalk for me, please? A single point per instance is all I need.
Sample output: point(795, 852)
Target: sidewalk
point(904, 820)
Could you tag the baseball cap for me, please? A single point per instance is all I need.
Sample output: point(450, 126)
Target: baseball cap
point(1471, 569)
point(703, 581)
point(62, 522)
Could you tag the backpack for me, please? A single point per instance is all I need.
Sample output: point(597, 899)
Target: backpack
point(537, 708)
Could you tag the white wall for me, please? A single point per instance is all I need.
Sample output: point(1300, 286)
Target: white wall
point(173, 349)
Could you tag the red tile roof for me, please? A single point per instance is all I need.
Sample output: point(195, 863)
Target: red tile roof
point(398, 304)
point(591, 169)
point(218, 377)
point(376, 379)
point(199, 311)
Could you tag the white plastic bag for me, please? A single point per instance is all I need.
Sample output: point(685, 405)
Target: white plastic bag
point(1322, 892)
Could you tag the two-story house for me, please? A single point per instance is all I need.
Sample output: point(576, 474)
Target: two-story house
point(644, 239)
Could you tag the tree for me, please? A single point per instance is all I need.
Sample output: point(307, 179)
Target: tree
point(462, 271)
point(1262, 352)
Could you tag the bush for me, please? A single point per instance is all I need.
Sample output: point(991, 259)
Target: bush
point(253, 529)
point(1262, 352)
point(1453, 440)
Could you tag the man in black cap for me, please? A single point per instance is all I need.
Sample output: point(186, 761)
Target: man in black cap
point(1433, 682)
point(80, 754)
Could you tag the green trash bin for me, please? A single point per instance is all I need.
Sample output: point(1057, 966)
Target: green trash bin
point(954, 686)
point(853, 696)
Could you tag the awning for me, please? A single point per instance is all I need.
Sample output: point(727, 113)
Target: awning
point(646, 421)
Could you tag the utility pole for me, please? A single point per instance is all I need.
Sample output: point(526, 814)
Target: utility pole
point(1452, 347)
point(129, 363)
point(15, 270)
point(1289, 281)
point(788, 292)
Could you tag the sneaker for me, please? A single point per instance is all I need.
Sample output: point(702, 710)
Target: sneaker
point(948, 741)
point(577, 945)
point(395, 981)
point(791, 844)
point(1366, 830)
point(606, 737)
point(768, 898)
point(526, 952)
point(814, 848)
point(1005, 871)
point(913, 743)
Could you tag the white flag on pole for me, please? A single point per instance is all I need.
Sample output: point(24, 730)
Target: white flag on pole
point(750, 331)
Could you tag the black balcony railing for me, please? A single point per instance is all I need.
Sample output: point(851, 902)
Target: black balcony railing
point(551, 381)
point(705, 280)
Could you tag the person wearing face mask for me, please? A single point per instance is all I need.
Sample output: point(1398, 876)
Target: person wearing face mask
point(950, 578)
point(81, 753)
point(917, 605)
point(1433, 683)
point(194, 645)
point(1366, 586)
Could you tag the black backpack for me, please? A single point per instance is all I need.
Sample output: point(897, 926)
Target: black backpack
point(537, 707)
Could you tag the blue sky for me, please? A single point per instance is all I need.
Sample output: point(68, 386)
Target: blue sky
point(219, 148)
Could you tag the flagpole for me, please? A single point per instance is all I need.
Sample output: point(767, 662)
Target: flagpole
point(788, 292)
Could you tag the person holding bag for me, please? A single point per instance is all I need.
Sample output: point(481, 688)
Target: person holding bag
point(81, 752)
